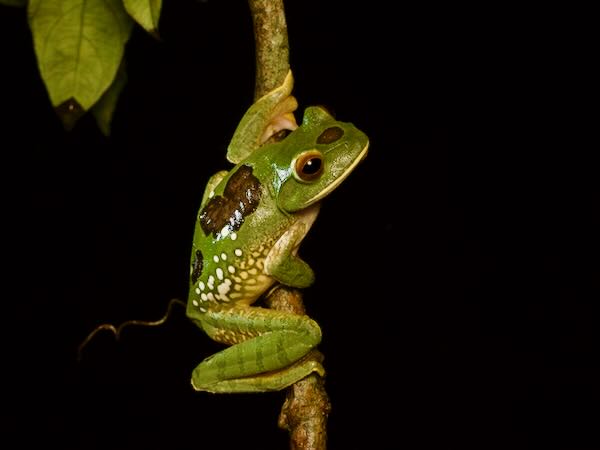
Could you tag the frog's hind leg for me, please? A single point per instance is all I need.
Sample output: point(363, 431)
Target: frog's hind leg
point(267, 351)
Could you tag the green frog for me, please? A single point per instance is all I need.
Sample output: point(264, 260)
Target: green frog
point(251, 222)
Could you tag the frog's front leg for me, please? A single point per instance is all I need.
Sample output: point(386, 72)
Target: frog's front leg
point(266, 353)
point(282, 263)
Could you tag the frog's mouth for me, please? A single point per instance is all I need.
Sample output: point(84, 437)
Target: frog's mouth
point(362, 155)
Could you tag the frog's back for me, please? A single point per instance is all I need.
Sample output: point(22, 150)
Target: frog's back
point(235, 230)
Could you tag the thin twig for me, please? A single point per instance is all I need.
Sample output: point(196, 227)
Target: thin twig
point(306, 408)
point(117, 330)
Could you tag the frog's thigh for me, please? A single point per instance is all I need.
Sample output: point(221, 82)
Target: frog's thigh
point(270, 342)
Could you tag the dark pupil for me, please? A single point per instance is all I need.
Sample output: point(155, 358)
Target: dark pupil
point(312, 166)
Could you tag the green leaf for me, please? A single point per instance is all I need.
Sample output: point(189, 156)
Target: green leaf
point(104, 108)
point(145, 12)
point(79, 45)
point(13, 2)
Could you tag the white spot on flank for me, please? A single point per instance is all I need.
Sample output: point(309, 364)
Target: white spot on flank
point(210, 296)
point(223, 256)
point(219, 273)
point(195, 302)
point(233, 236)
point(231, 269)
point(198, 291)
point(211, 282)
point(203, 297)
point(216, 258)
point(238, 252)
point(225, 231)
point(201, 285)
point(223, 288)
point(202, 309)
point(238, 215)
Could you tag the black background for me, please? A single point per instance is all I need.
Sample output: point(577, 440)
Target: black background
point(453, 287)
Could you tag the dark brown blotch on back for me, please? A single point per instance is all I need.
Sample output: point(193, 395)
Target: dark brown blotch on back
point(241, 197)
point(330, 135)
point(197, 265)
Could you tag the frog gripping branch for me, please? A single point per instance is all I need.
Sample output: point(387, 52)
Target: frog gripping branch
point(249, 228)
point(250, 225)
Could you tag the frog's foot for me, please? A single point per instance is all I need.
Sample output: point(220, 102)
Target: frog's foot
point(268, 354)
point(269, 115)
point(282, 118)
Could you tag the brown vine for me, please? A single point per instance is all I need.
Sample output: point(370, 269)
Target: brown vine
point(306, 408)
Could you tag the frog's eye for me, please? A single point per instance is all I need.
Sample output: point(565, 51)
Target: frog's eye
point(308, 165)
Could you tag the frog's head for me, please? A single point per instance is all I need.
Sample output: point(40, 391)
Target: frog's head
point(314, 159)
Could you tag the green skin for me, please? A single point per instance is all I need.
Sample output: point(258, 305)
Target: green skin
point(250, 225)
